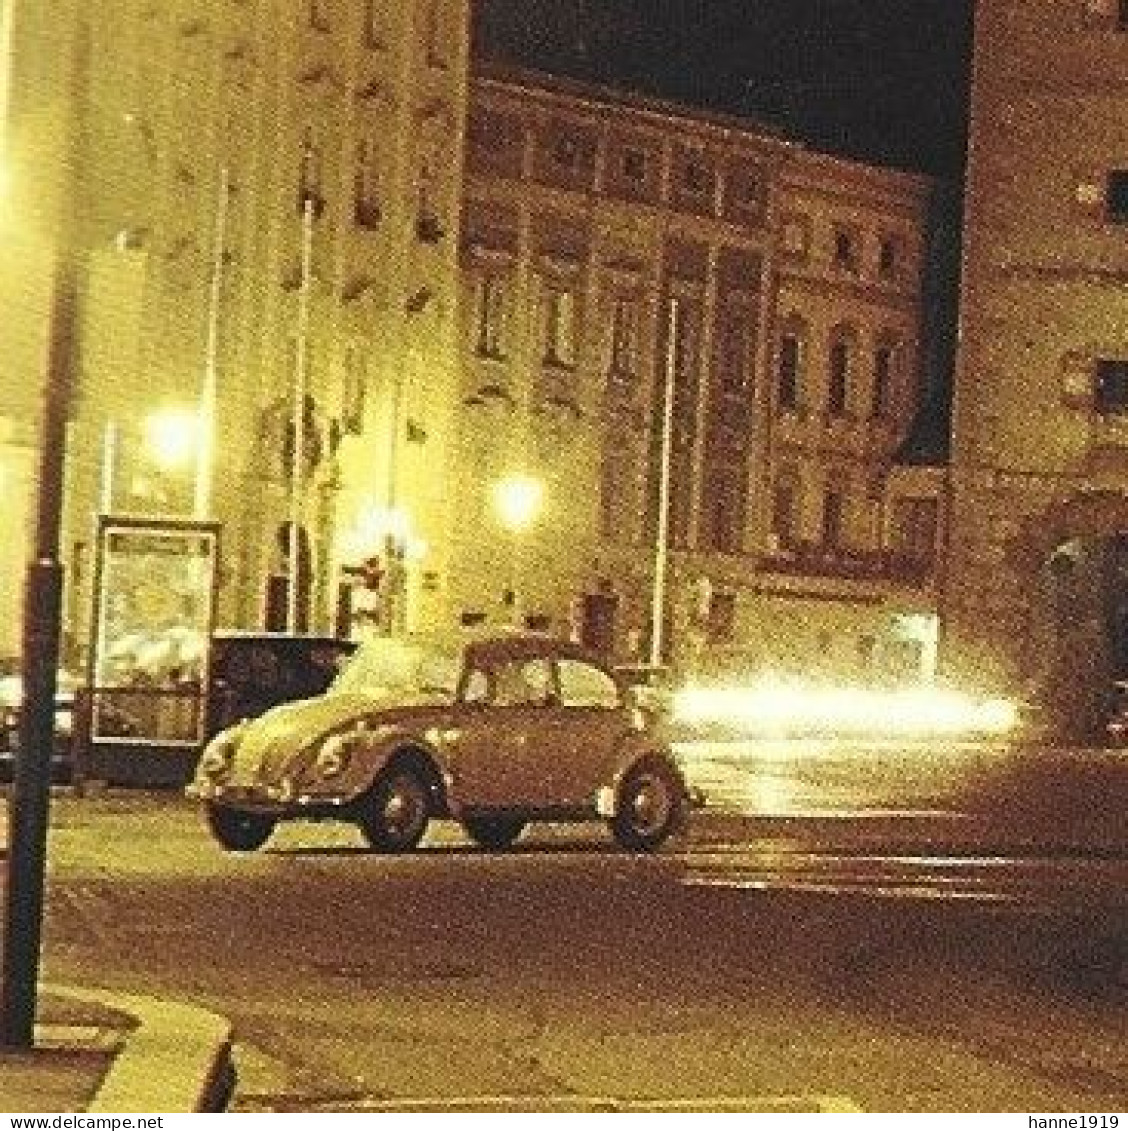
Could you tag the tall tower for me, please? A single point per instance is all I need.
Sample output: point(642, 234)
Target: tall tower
point(1040, 431)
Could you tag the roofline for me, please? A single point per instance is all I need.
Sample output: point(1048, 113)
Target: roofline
point(746, 129)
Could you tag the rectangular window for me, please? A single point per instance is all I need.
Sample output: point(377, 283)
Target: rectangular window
point(366, 186)
point(1116, 196)
point(559, 328)
point(887, 257)
point(634, 165)
point(624, 337)
point(790, 361)
point(839, 377)
point(832, 525)
point(733, 349)
point(490, 312)
point(915, 523)
point(785, 504)
point(845, 250)
point(1111, 392)
point(319, 15)
point(882, 381)
point(375, 24)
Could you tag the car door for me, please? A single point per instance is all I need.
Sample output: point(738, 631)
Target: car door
point(495, 760)
point(579, 735)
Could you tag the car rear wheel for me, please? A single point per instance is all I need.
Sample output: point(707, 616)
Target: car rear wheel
point(237, 830)
point(651, 807)
point(493, 830)
point(397, 811)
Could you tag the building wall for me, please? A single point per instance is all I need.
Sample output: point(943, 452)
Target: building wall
point(200, 132)
point(1043, 301)
point(457, 330)
point(620, 205)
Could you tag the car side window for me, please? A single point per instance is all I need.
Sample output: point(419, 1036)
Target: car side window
point(477, 688)
point(583, 685)
point(526, 683)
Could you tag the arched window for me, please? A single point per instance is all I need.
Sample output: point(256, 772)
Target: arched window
point(791, 363)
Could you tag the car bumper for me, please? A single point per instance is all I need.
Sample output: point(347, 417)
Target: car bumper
point(281, 799)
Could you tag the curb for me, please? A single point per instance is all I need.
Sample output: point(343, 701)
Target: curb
point(177, 1060)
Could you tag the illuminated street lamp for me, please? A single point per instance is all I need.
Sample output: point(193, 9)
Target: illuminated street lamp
point(518, 499)
point(172, 437)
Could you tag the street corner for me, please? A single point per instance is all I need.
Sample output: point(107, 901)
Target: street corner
point(161, 1056)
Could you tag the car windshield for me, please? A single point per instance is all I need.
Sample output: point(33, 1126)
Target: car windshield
point(396, 667)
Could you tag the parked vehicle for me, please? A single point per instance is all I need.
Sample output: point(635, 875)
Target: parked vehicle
point(494, 731)
point(67, 687)
point(250, 672)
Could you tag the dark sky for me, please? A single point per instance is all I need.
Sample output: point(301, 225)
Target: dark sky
point(884, 80)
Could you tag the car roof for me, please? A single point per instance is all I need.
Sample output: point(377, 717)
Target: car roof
point(502, 647)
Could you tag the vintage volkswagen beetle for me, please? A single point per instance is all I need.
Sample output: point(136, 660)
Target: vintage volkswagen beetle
point(493, 731)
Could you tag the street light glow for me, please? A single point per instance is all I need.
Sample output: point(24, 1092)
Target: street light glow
point(518, 500)
point(172, 436)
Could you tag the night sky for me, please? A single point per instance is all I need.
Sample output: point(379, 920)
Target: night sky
point(882, 80)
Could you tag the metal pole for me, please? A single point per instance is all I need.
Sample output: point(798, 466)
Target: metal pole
point(299, 418)
point(30, 797)
point(41, 44)
point(205, 448)
point(662, 534)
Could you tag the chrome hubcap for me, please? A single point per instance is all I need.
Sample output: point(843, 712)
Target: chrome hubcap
point(404, 806)
point(650, 806)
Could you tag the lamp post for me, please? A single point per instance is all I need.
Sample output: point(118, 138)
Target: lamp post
point(518, 499)
point(40, 73)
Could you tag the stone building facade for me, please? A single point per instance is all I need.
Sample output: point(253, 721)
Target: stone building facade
point(252, 181)
point(313, 204)
point(606, 240)
point(1039, 467)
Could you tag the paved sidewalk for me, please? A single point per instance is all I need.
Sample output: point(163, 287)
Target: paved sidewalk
point(101, 1052)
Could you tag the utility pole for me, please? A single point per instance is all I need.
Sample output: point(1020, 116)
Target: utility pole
point(42, 67)
point(662, 531)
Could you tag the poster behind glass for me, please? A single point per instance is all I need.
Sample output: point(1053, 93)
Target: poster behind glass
point(153, 616)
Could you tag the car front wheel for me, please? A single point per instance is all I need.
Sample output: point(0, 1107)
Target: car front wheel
point(398, 809)
point(237, 830)
point(493, 830)
point(651, 807)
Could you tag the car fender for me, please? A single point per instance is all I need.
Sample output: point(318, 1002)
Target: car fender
point(640, 747)
point(389, 745)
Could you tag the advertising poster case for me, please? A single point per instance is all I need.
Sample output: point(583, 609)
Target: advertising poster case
point(154, 609)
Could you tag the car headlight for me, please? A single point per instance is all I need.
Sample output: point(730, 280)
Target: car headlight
point(219, 753)
point(336, 753)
